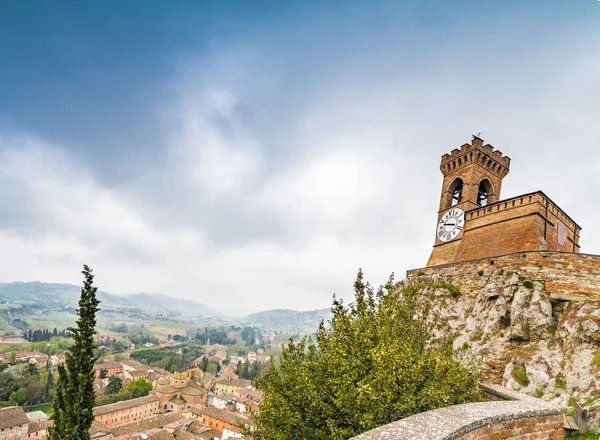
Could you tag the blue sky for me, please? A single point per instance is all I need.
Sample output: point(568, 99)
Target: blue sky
point(263, 151)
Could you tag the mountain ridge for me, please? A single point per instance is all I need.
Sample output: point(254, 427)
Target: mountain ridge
point(68, 294)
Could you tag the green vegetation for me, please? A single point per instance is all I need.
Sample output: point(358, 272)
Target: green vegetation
point(520, 374)
point(560, 382)
point(596, 360)
point(376, 362)
point(551, 329)
point(166, 358)
point(454, 291)
point(480, 273)
point(588, 435)
point(74, 402)
point(528, 284)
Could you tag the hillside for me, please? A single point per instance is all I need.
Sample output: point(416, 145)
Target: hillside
point(55, 294)
point(293, 321)
point(159, 302)
point(511, 320)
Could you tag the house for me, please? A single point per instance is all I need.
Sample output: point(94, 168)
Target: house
point(56, 359)
point(14, 423)
point(11, 340)
point(132, 410)
point(37, 429)
point(22, 356)
point(148, 344)
point(179, 392)
point(229, 386)
point(39, 360)
point(112, 369)
point(218, 419)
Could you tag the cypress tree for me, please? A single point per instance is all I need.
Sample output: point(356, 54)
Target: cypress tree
point(74, 402)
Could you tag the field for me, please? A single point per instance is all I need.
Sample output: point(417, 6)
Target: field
point(47, 408)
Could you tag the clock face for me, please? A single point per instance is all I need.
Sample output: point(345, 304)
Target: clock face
point(450, 225)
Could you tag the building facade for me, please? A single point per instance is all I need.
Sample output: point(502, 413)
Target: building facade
point(473, 222)
point(133, 410)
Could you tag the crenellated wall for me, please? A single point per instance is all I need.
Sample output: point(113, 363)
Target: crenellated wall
point(566, 275)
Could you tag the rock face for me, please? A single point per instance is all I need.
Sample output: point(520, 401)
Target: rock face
point(525, 338)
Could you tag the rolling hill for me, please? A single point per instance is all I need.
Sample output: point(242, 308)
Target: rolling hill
point(68, 294)
point(289, 320)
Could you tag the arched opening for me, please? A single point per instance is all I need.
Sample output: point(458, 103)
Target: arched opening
point(456, 189)
point(484, 192)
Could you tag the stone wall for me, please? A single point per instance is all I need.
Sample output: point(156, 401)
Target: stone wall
point(565, 275)
point(521, 417)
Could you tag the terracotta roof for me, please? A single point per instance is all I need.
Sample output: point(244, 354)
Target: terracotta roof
point(146, 425)
point(192, 391)
point(12, 416)
point(40, 425)
point(107, 366)
point(177, 400)
point(162, 435)
point(226, 416)
point(235, 382)
point(105, 409)
point(167, 389)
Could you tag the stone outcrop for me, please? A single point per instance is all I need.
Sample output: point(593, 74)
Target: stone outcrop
point(532, 320)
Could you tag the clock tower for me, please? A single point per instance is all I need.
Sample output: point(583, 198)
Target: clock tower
point(472, 179)
point(473, 223)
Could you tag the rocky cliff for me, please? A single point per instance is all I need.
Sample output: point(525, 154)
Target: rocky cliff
point(514, 317)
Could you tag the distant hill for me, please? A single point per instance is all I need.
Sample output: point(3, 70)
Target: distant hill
point(68, 295)
point(159, 302)
point(289, 320)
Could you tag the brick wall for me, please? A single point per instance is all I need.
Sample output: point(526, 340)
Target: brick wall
point(548, 428)
point(524, 223)
point(566, 275)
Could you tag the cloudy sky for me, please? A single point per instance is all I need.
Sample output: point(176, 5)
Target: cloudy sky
point(254, 155)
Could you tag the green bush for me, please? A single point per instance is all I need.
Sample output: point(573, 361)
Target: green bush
point(561, 383)
point(520, 374)
point(480, 273)
point(551, 329)
point(454, 291)
point(528, 284)
point(378, 360)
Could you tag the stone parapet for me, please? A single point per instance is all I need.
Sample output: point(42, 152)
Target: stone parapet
point(566, 275)
point(522, 418)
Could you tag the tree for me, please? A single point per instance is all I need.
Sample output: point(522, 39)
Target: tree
point(139, 387)
point(49, 382)
point(103, 373)
point(384, 357)
point(32, 369)
point(74, 402)
point(19, 397)
point(115, 383)
point(12, 358)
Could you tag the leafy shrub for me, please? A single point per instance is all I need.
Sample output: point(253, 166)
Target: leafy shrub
point(480, 273)
point(595, 360)
point(379, 358)
point(528, 284)
point(454, 291)
point(551, 329)
point(561, 383)
point(520, 374)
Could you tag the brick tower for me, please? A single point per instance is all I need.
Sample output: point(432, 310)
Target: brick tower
point(474, 223)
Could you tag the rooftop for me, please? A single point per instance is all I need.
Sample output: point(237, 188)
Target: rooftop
point(105, 409)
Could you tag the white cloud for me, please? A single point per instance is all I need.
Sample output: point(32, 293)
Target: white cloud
point(262, 202)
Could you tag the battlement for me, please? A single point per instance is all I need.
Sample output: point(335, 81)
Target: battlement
point(475, 152)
